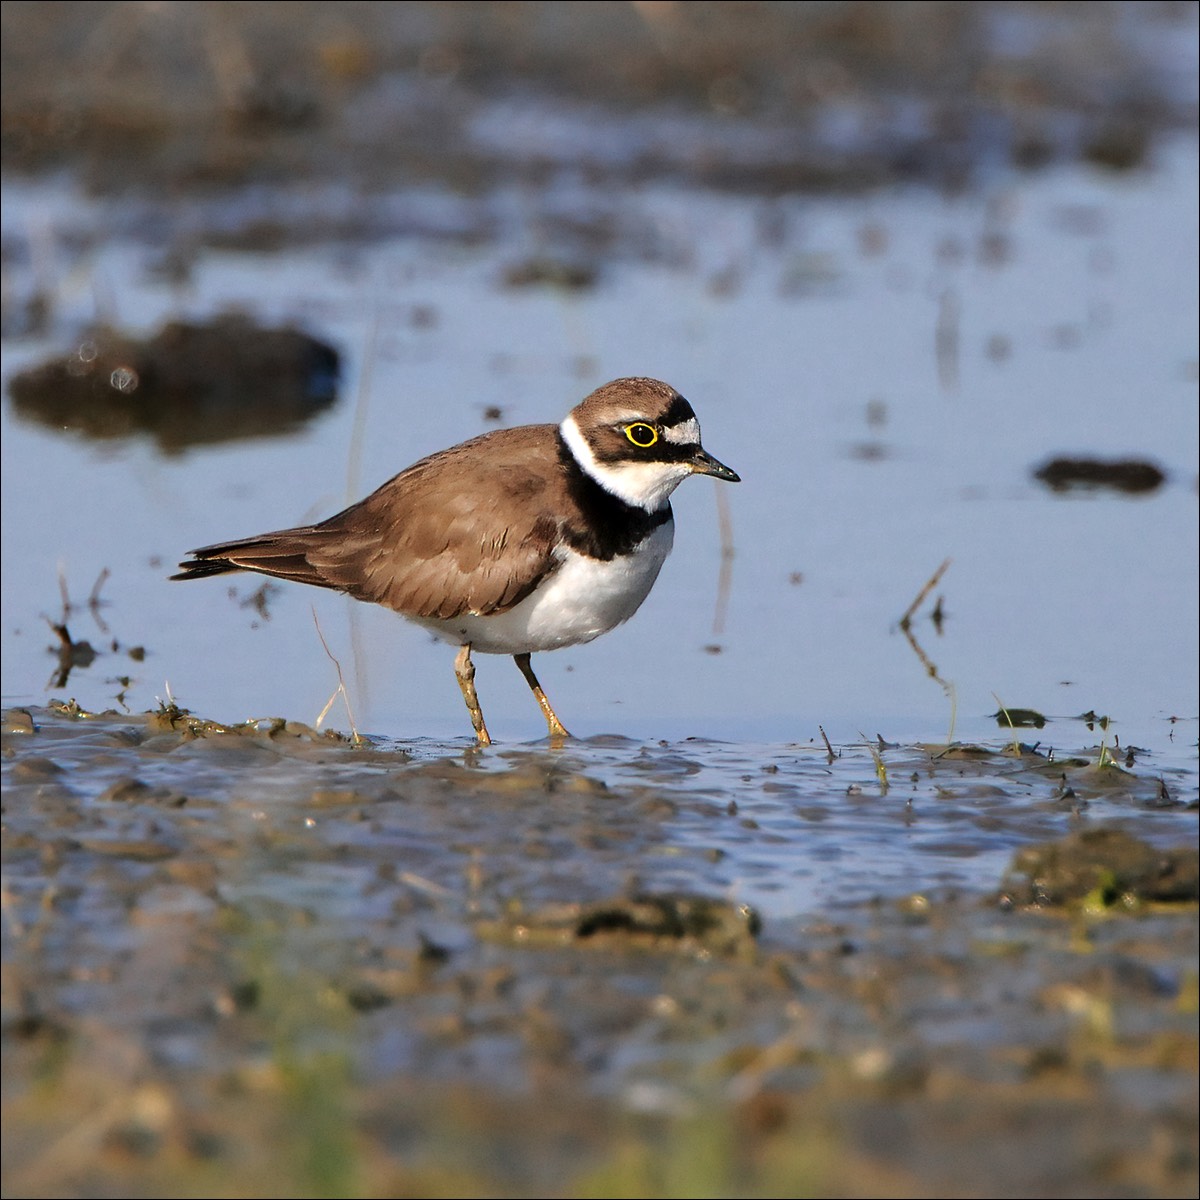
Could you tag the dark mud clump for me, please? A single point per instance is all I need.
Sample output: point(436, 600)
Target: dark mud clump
point(1019, 718)
point(189, 384)
point(1130, 475)
point(1106, 867)
point(691, 924)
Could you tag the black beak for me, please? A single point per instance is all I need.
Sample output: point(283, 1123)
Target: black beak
point(703, 463)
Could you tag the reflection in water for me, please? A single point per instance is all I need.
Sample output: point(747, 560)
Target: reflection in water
point(937, 617)
point(72, 654)
point(189, 384)
point(725, 579)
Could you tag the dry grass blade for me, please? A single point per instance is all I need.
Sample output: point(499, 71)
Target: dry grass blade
point(341, 688)
point(358, 434)
point(880, 766)
point(1003, 710)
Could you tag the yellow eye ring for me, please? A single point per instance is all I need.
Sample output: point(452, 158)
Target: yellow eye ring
point(641, 434)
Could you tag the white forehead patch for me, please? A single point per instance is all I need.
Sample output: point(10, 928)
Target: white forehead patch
point(686, 433)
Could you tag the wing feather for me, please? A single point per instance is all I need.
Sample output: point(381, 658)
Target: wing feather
point(472, 529)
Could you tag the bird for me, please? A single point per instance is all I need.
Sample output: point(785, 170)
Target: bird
point(518, 541)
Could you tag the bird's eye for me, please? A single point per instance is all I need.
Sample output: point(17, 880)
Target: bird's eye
point(641, 434)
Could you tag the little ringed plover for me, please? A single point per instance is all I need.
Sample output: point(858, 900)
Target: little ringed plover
point(517, 541)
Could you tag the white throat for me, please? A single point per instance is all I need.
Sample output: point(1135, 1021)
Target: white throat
point(645, 485)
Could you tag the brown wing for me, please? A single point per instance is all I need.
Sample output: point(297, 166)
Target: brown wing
point(469, 530)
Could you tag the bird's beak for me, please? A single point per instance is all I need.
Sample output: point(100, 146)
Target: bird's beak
point(703, 463)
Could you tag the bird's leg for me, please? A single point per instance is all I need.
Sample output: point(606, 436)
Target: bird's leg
point(557, 729)
point(464, 668)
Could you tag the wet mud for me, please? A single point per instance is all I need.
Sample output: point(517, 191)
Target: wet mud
point(269, 956)
point(1133, 476)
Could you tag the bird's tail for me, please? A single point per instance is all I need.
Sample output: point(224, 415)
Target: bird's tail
point(283, 555)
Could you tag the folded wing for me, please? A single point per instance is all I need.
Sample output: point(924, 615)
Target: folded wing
point(462, 531)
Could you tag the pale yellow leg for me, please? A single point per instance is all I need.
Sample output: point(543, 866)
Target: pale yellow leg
point(464, 668)
point(557, 729)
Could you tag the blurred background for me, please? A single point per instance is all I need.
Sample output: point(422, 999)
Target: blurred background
point(927, 273)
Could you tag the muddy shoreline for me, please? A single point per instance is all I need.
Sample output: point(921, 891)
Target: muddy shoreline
point(217, 102)
point(273, 959)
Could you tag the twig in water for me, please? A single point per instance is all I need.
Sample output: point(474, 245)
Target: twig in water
point(828, 747)
point(64, 594)
point(932, 671)
point(94, 601)
point(931, 583)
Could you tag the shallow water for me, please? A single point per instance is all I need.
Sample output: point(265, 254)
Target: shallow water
point(790, 830)
point(1067, 309)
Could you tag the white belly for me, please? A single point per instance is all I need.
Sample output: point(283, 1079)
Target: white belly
point(581, 600)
